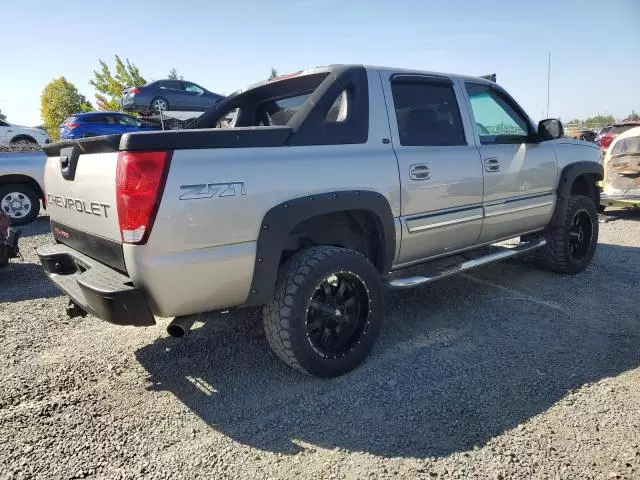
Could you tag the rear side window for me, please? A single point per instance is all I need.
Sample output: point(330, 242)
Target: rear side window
point(95, 119)
point(427, 113)
point(627, 146)
point(170, 85)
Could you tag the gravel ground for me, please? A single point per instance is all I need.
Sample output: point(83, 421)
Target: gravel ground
point(507, 372)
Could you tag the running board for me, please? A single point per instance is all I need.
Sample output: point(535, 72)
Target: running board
point(415, 281)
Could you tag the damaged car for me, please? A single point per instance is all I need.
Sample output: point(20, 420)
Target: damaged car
point(621, 182)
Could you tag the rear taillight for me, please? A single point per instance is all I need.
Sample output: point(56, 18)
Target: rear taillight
point(140, 179)
point(134, 91)
point(72, 125)
point(606, 141)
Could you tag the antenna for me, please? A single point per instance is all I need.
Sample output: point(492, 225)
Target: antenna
point(548, 82)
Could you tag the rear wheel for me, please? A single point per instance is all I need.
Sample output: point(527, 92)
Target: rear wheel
point(159, 104)
point(24, 141)
point(570, 248)
point(327, 311)
point(19, 202)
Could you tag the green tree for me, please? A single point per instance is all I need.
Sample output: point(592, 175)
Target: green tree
point(59, 99)
point(634, 117)
point(173, 75)
point(109, 87)
point(274, 73)
point(2, 116)
point(600, 119)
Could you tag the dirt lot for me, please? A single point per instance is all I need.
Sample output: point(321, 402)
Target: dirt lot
point(505, 373)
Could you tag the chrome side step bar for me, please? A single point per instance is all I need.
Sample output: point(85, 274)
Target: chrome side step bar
point(414, 281)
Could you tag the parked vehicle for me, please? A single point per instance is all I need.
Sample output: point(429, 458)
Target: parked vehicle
point(21, 185)
point(586, 135)
point(601, 133)
point(163, 95)
point(621, 182)
point(328, 184)
point(93, 124)
point(11, 134)
point(607, 137)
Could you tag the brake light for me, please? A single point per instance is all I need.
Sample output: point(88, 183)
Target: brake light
point(606, 141)
point(134, 91)
point(140, 179)
point(72, 125)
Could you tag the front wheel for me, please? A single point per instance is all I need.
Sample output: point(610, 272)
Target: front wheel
point(571, 247)
point(327, 311)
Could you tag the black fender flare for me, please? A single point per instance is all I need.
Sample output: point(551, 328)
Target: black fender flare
point(280, 220)
point(567, 177)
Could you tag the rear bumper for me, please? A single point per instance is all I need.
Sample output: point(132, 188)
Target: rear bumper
point(96, 288)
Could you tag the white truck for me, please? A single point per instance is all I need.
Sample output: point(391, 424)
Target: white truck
point(21, 183)
point(327, 186)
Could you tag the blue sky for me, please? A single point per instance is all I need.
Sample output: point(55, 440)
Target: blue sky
point(595, 46)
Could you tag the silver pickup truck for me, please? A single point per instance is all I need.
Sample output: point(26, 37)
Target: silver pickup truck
point(21, 183)
point(323, 189)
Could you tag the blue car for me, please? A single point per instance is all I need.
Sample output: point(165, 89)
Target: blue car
point(93, 124)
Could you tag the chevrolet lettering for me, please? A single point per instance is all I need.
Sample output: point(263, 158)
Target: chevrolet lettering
point(99, 209)
point(328, 186)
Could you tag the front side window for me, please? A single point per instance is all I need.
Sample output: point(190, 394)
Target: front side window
point(497, 121)
point(128, 121)
point(3, 124)
point(427, 113)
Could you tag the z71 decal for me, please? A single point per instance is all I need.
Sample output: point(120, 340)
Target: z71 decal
point(209, 190)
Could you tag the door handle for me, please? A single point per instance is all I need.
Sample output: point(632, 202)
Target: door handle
point(491, 164)
point(419, 171)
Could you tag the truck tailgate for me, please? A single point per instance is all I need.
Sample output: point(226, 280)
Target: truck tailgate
point(82, 197)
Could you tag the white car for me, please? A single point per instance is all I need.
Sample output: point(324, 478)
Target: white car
point(11, 134)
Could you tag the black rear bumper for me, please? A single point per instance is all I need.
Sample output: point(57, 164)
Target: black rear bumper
point(94, 287)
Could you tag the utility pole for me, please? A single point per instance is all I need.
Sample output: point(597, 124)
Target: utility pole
point(548, 82)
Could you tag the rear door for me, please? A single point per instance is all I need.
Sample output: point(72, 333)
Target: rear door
point(174, 93)
point(440, 169)
point(194, 97)
point(519, 174)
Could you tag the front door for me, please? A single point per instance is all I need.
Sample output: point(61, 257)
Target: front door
point(520, 175)
point(440, 168)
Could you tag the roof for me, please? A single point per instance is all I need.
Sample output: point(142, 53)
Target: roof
point(98, 112)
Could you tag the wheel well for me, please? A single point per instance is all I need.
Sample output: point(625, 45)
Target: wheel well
point(586, 185)
point(23, 179)
point(358, 230)
point(17, 138)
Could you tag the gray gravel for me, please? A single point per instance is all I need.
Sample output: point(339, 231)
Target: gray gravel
point(507, 372)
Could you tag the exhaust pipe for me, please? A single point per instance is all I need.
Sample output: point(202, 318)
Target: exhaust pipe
point(180, 326)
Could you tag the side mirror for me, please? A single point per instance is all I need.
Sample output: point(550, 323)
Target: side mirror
point(550, 129)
